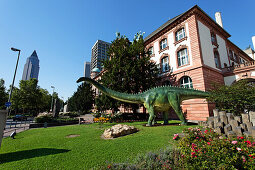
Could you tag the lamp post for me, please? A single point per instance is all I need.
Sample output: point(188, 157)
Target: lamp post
point(52, 98)
point(10, 95)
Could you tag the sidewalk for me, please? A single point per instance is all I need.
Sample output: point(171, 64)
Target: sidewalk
point(7, 132)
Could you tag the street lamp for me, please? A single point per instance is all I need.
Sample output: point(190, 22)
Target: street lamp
point(52, 98)
point(10, 95)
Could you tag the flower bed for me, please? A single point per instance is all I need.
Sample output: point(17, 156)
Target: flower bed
point(208, 150)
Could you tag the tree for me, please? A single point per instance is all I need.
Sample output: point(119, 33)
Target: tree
point(3, 94)
point(235, 98)
point(82, 100)
point(128, 70)
point(30, 96)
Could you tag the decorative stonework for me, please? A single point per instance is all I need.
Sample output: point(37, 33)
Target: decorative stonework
point(119, 130)
point(227, 124)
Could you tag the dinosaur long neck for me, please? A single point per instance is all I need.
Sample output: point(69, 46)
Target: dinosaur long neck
point(124, 97)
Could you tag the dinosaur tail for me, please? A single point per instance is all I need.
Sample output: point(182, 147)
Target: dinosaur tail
point(124, 97)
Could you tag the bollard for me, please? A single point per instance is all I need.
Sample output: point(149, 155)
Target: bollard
point(45, 124)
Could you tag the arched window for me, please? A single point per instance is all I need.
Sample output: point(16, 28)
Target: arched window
point(165, 64)
point(180, 34)
point(217, 59)
point(186, 82)
point(183, 58)
point(163, 44)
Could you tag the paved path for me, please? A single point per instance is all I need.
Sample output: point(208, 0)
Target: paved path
point(17, 126)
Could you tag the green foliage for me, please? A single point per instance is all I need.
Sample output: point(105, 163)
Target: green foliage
point(128, 70)
point(51, 119)
point(70, 114)
point(206, 150)
point(82, 100)
point(3, 94)
point(235, 98)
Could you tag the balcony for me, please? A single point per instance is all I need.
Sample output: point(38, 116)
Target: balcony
point(245, 67)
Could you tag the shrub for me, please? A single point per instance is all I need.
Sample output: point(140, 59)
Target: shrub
point(208, 150)
point(51, 119)
point(70, 114)
point(235, 98)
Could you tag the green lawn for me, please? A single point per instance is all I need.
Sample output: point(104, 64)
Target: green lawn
point(48, 148)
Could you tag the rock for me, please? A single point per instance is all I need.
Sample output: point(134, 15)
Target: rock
point(245, 118)
point(230, 116)
point(222, 113)
point(119, 130)
point(238, 118)
point(227, 128)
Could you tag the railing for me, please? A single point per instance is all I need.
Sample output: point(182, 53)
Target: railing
point(239, 66)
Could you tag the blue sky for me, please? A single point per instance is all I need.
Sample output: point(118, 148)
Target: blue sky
point(63, 31)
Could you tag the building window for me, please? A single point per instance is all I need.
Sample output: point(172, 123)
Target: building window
point(235, 58)
point(231, 55)
point(182, 57)
point(165, 64)
point(163, 44)
point(180, 34)
point(217, 59)
point(213, 38)
point(186, 82)
point(150, 51)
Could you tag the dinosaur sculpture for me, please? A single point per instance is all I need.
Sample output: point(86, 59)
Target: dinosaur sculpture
point(159, 99)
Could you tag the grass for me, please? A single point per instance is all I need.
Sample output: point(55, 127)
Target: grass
point(48, 148)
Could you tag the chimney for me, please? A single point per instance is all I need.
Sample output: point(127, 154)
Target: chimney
point(253, 41)
point(218, 18)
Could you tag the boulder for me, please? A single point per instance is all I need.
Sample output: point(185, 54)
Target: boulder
point(119, 130)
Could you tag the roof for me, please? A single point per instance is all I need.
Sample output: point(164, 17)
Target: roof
point(171, 21)
point(34, 54)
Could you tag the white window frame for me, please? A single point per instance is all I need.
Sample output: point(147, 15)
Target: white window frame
point(180, 34)
point(151, 51)
point(187, 84)
point(182, 57)
point(163, 44)
point(165, 65)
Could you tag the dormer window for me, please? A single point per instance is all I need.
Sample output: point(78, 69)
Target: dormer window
point(151, 52)
point(180, 34)
point(163, 44)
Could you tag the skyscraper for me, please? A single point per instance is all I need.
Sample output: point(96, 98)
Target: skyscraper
point(99, 53)
point(87, 69)
point(31, 68)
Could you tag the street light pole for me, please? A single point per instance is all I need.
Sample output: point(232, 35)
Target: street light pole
point(10, 95)
point(52, 98)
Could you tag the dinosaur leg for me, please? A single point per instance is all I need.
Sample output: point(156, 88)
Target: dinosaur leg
point(165, 116)
point(175, 103)
point(151, 117)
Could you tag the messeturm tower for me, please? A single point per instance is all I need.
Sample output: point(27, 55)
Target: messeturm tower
point(31, 68)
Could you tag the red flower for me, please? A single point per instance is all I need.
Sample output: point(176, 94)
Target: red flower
point(248, 142)
point(193, 154)
point(206, 131)
point(208, 143)
point(241, 137)
point(109, 166)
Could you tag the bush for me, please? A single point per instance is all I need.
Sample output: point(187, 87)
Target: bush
point(70, 114)
point(51, 119)
point(208, 150)
point(235, 98)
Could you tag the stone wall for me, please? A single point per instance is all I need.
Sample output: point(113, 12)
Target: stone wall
point(227, 124)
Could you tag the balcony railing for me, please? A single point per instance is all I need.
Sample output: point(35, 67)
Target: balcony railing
point(239, 66)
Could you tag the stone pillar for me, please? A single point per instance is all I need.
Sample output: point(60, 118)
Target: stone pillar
point(252, 117)
point(215, 112)
point(3, 116)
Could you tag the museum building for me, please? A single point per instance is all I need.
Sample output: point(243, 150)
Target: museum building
point(192, 50)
